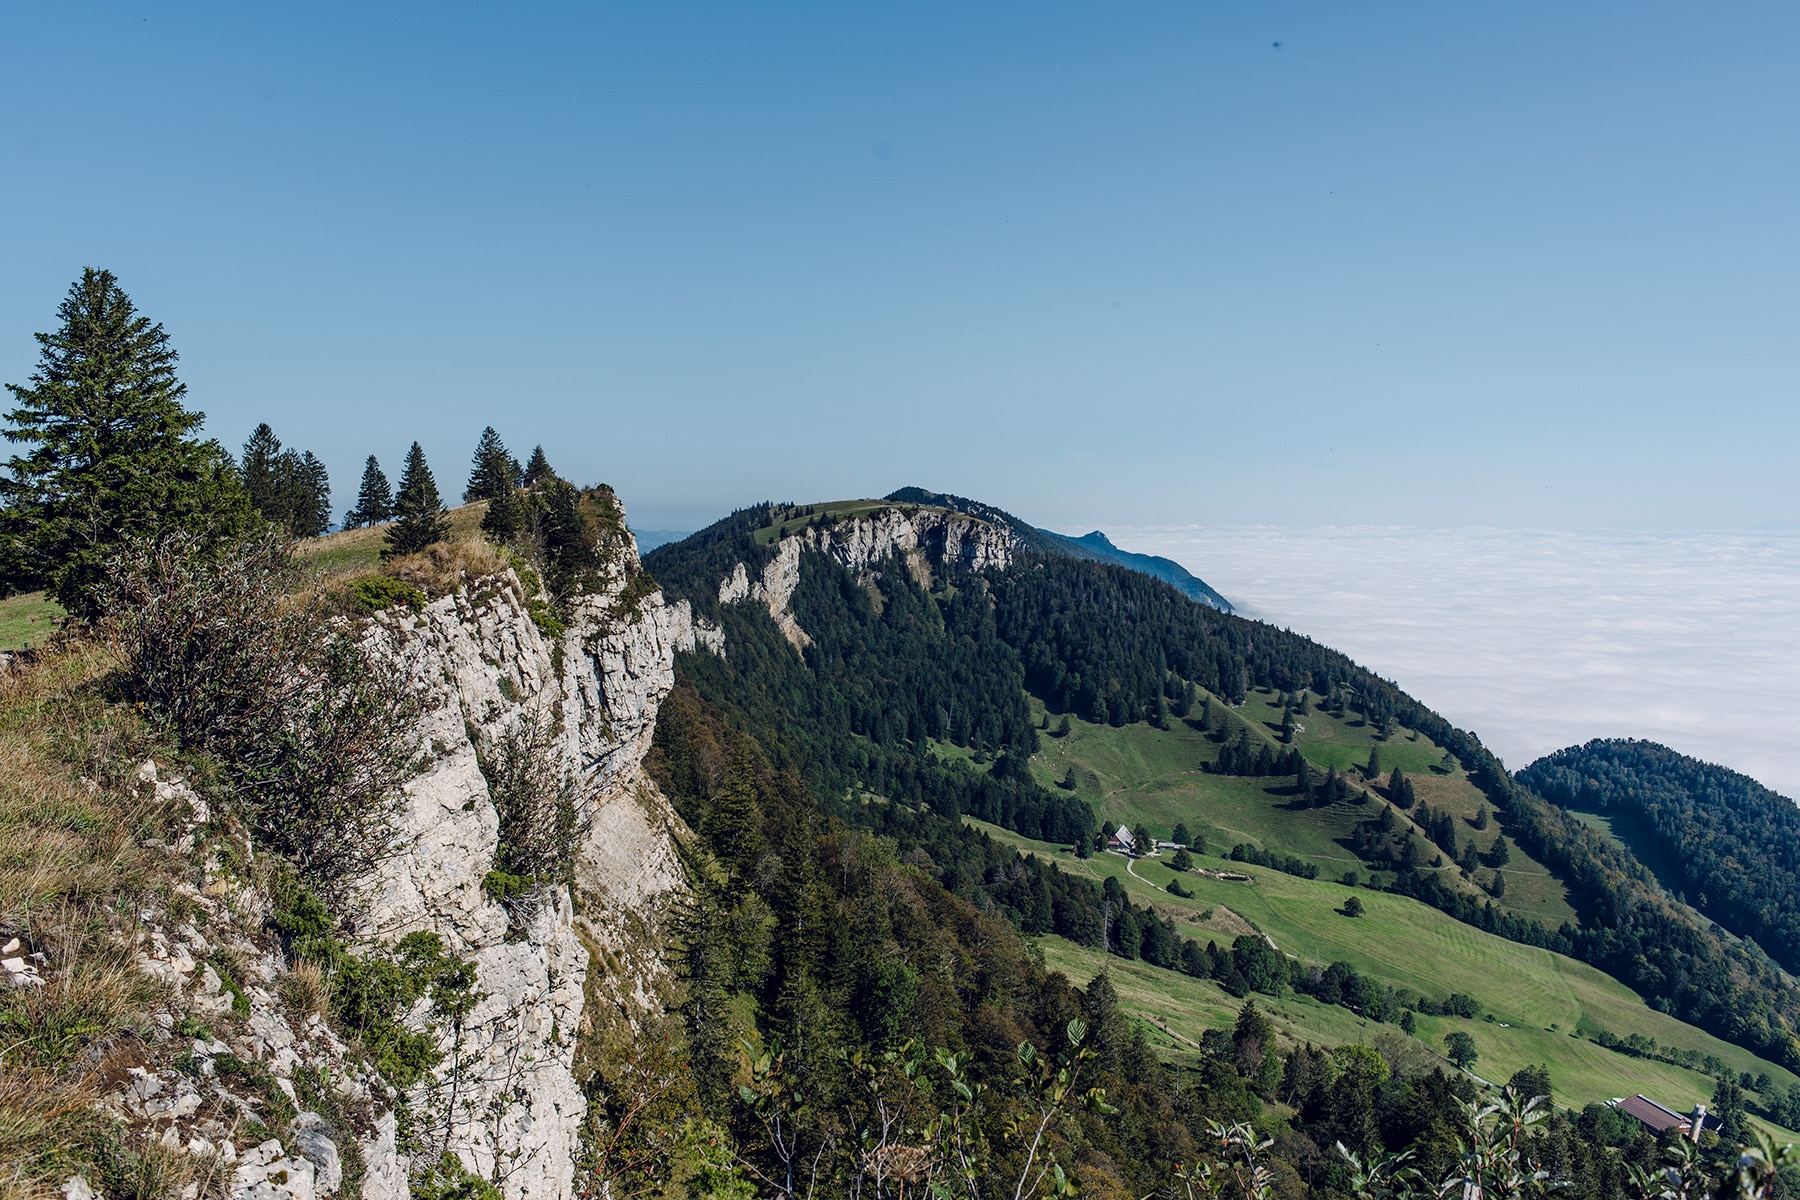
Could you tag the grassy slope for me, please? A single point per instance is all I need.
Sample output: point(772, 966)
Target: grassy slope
point(1407, 944)
point(1142, 774)
point(355, 550)
point(28, 620)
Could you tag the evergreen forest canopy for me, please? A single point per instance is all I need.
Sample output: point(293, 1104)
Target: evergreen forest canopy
point(894, 665)
point(1728, 845)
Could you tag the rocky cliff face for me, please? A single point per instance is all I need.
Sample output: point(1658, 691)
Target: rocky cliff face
point(923, 538)
point(506, 1100)
point(486, 668)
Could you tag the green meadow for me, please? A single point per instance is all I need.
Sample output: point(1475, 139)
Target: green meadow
point(1138, 774)
point(1542, 1005)
point(28, 620)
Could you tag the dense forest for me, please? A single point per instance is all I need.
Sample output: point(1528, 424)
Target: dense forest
point(836, 950)
point(1727, 844)
point(885, 675)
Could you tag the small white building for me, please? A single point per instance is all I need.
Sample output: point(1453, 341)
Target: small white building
point(1123, 841)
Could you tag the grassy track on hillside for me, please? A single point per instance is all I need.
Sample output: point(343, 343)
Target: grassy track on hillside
point(28, 620)
point(1407, 944)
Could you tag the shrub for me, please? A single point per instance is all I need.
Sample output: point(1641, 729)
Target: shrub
point(376, 592)
point(538, 802)
point(233, 652)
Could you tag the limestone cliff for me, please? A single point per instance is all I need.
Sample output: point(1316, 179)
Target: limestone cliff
point(506, 1099)
point(924, 538)
point(486, 667)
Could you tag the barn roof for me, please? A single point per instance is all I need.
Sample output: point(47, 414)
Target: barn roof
point(1658, 1118)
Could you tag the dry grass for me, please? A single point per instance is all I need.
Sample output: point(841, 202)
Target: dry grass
point(72, 872)
point(356, 551)
point(40, 1118)
point(440, 569)
point(304, 989)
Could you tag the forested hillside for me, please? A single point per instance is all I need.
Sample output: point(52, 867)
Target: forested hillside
point(1725, 843)
point(895, 664)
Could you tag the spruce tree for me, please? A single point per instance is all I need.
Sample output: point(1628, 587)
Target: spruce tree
point(538, 469)
point(506, 515)
point(375, 499)
point(312, 515)
point(419, 514)
point(262, 474)
point(112, 454)
point(495, 471)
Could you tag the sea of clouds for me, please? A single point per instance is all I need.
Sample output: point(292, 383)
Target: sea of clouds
point(1538, 639)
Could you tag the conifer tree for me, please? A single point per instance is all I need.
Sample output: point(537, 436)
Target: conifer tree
point(375, 499)
point(112, 453)
point(506, 516)
point(538, 469)
point(312, 515)
point(262, 455)
point(419, 514)
point(289, 488)
point(495, 471)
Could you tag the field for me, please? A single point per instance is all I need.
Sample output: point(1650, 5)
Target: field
point(353, 550)
point(28, 620)
point(1139, 774)
point(1539, 1002)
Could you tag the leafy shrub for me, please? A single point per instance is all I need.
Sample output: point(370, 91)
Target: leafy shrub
point(376, 592)
point(542, 819)
point(371, 994)
point(232, 650)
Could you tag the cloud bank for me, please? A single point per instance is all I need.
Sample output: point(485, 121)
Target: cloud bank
point(1539, 639)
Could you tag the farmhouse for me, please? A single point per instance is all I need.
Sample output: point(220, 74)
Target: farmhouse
point(1122, 842)
point(1659, 1120)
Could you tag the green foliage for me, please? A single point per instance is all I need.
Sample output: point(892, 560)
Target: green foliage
point(111, 454)
point(231, 650)
point(288, 487)
point(495, 473)
point(537, 800)
point(1459, 1048)
point(377, 592)
point(447, 1179)
point(1351, 907)
point(418, 513)
point(1730, 845)
point(374, 498)
point(373, 993)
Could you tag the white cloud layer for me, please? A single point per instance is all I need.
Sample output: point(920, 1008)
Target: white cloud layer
point(1539, 639)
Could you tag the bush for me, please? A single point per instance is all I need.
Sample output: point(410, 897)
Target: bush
point(376, 592)
point(541, 818)
point(233, 651)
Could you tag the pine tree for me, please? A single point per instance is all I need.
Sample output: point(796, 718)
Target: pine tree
point(538, 469)
point(375, 500)
point(261, 470)
point(112, 454)
point(312, 516)
point(418, 511)
point(495, 471)
point(505, 517)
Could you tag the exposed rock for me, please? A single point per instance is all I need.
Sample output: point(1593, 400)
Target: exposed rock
point(483, 665)
point(921, 537)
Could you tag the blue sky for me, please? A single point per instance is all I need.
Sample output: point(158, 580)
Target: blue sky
point(1523, 264)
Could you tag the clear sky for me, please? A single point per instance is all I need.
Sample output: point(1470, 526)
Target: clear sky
point(1521, 264)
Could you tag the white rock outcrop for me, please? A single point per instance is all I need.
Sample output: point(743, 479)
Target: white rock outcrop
point(923, 538)
point(484, 667)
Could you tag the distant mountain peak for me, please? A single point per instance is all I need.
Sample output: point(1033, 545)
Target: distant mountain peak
point(1095, 546)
